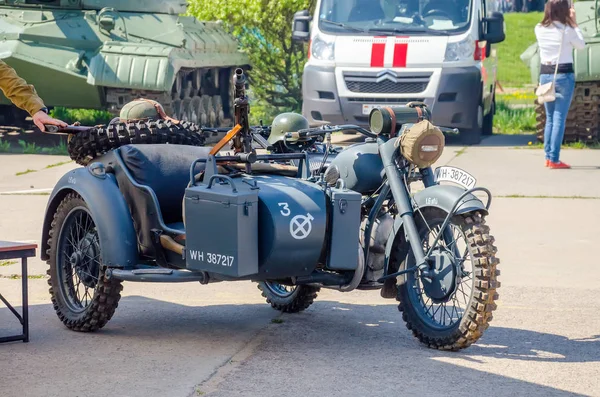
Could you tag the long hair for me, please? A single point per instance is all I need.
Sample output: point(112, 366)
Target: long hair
point(558, 11)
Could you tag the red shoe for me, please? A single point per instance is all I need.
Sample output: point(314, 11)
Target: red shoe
point(547, 163)
point(559, 166)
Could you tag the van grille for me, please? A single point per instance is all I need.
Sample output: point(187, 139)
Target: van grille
point(386, 82)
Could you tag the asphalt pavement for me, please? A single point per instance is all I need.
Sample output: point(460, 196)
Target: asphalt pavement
point(224, 340)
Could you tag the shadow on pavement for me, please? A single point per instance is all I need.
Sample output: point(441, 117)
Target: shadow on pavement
point(358, 348)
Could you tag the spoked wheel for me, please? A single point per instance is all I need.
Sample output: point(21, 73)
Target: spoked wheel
point(288, 299)
point(450, 309)
point(82, 297)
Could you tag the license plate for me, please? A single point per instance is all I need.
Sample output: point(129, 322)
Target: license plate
point(367, 108)
point(456, 175)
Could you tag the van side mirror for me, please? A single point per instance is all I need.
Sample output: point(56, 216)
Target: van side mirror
point(301, 26)
point(493, 28)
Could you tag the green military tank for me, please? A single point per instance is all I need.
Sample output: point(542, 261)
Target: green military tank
point(583, 121)
point(102, 54)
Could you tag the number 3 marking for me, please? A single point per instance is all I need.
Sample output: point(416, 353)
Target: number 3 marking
point(285, 211)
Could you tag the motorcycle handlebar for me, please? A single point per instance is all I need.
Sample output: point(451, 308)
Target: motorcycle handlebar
point(320, 131)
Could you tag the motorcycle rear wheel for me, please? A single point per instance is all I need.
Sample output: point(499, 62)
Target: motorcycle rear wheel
point(448, 331)
point(288, 299)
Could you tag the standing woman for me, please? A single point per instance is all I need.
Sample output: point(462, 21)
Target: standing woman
point(558, 26)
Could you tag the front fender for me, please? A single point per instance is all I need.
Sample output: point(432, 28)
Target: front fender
point(437, 196)
point(118, 241)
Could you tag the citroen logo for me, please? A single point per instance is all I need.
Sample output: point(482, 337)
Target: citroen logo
point(387, 75)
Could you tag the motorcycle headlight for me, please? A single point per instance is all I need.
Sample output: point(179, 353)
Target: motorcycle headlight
point(321, 49)
point(460, 51)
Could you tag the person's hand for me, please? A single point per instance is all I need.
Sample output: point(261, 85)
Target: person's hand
point(41, 118)
point(573, 16)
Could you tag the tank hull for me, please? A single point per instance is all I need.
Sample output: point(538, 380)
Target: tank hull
point(102, 59)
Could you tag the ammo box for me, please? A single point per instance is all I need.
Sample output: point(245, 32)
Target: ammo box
point(221, 222)
point(345, 229)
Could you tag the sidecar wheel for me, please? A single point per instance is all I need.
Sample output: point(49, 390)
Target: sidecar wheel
point(288, 299)
point(83, 298)
point(459, 318)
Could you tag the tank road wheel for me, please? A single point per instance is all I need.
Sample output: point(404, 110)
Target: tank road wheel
point(218, 104)
point(450, 310)
point(85, 146)
point(83, 298)
point(176, 109)
point(540, 118)
point(288, 299)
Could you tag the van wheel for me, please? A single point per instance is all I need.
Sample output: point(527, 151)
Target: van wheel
point(488, 120)
point(472, 136)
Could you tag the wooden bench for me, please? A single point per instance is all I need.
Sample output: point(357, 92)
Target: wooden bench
point(12, 250)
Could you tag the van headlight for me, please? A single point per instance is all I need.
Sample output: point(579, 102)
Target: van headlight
point(460, 51)
point(321, 49)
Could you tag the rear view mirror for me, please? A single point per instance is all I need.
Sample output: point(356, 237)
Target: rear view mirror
point(301, 26)
point(493, 28)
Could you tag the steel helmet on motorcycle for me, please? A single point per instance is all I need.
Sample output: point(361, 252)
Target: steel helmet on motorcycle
point(143, 109)
point(284, 123)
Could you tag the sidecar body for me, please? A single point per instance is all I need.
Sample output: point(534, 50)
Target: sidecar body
point(173, 213)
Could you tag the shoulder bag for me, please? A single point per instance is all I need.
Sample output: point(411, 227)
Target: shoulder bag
point(547, 92)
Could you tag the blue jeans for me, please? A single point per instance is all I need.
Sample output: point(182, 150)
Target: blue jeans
point(556, 113)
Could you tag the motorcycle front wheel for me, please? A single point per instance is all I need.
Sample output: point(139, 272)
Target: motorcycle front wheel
point(458, 318)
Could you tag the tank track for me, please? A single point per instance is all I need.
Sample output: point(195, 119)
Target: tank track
point(583, 120)
point(199, 96)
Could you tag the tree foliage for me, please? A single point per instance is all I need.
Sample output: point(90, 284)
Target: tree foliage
point(264, 31)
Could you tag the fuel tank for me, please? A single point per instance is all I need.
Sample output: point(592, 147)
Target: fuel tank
point(360, 167)
point(266, 227)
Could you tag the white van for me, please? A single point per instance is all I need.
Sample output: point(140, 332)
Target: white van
point(366, 53)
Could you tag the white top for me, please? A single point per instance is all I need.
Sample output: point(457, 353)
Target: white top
point(548, 39)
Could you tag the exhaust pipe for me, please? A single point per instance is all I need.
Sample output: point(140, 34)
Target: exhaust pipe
point(335, 281)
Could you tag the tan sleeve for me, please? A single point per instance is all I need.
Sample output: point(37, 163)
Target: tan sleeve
point(17, 90)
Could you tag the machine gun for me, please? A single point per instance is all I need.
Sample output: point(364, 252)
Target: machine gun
point(242, 141)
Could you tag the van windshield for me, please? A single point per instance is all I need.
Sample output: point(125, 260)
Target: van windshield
point(394, 16)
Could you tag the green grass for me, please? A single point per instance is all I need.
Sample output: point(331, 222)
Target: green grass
point(30, 277)
point(276, 320)
point(57, 150)
point(511, 121)
point(25, 172)
point(512, 71)
point(4, 146)
point(7, 263)
point(84, 116)
point(460, 152)
point(516, 96)
point(30, 148)
point(58, 164)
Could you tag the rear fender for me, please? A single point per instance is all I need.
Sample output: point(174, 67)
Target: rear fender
point(437, 196)
point(118, 241)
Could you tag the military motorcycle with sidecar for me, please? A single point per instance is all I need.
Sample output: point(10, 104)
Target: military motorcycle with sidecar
point(183, 213)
